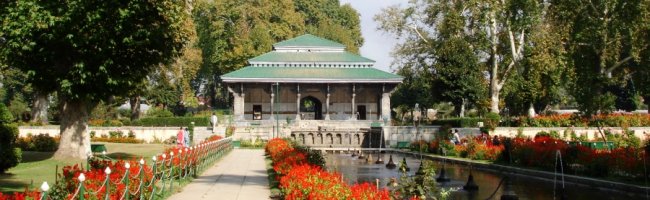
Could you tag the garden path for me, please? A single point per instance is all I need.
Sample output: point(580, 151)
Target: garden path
point(241, 175)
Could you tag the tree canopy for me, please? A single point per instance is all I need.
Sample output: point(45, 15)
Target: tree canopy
point(87, 51)
point(231, 32)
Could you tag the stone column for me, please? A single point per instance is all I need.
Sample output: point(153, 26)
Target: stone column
point(242, 104)
point(272, 103)
point(298, 102)
point(238, 102)
point(354, 107)
point(327, 104)
point(385, 104)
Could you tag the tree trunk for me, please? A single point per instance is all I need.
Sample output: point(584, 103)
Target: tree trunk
point(494, 74)
point(75, 141)
point(39, 109)
point(531, 110)
point(135, 108)
point(460, 108)
point(494, 98)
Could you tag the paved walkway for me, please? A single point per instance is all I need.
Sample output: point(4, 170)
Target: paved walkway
point(241, 175)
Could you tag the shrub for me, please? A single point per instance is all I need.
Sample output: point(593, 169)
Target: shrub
point(457, 122)
point(230, 130)
point(116, 134)
point(118, 140)
point(171, 121)
point(9, 157)
point(5, 115)
point(43, 142)
point(159, 112)
point(491, 121)
point(131, 134)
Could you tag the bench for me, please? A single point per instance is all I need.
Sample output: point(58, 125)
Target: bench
point(403, 145)
point(98, 148)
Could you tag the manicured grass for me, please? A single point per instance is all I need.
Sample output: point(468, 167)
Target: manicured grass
point(37, 167)
point(274, 184)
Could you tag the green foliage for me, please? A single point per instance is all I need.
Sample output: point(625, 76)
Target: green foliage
point(421, 186)
point(44, 142)
point(250, 143)
point(5, 115)
point(231, 32)
point(627, 139)
point(605, 41)
point(159, 112)
point(171, 121)
point(91, 47)
point(458, 122)
point(551, 134)
point(491, 121)
point(9, 157)
point(116, 134)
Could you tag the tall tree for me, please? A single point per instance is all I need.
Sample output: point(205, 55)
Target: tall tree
point(231, 32)
point(495, 31)
point(87, 51)
point(605, 40)
point(543, 74)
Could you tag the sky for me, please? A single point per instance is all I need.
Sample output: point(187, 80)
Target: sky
point(377, 44)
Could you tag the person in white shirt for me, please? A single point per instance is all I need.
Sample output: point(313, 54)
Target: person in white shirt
point(213, 121)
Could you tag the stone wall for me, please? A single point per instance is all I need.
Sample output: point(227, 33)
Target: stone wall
point(148, 134)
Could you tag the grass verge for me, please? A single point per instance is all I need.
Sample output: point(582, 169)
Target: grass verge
point(37, 167)
point(274, 183)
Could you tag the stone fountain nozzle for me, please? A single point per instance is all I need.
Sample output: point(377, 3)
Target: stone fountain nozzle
point(470, 185)
point(379, 158)
point(391, 164)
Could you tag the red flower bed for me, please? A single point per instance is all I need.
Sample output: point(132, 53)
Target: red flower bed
point(541, 153)
point(28, 195)
point(303, 180)
point(125, 177)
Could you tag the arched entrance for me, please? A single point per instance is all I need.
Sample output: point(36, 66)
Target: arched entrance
point(311, 108)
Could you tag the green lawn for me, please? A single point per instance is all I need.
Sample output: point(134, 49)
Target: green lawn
point(37, 167)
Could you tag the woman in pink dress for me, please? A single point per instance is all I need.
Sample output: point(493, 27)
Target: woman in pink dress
point(180, 139)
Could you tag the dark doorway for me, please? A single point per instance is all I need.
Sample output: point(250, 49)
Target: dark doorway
point(257, 112)
point(311, 108)
point(362, 112)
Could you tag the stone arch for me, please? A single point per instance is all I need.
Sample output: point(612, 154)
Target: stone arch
point(339, 139)
point(302, 138)
point(319, 138)
point(311, 104)
point(310, 138)
point(329, 138)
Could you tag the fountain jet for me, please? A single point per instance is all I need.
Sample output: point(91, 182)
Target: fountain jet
point(391, 164)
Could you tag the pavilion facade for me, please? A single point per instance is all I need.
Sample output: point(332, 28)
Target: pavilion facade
point(310, 78)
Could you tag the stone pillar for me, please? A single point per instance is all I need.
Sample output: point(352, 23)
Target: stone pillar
point(298, 102)
point(354, 107)
point(238, 102)
point(242, 104)
point(385, 104)
point(327, 104)
point(272, 103)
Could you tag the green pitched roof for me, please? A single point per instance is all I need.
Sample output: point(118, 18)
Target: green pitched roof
point(308, 40)
point(275, 56)
point(307, 74)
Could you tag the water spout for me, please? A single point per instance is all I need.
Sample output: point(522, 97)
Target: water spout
point(391, 164)
point(560, 194)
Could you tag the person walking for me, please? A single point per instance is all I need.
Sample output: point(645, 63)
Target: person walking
point(180, 137)
point(213, 122)
point(186, 137)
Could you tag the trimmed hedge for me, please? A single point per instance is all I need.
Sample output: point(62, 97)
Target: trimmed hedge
point(171, 121)
point(458, 122)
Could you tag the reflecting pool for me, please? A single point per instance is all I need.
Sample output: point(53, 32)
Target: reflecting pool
point(356, 170)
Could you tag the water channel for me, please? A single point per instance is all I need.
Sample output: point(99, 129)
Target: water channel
point(356, 170)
